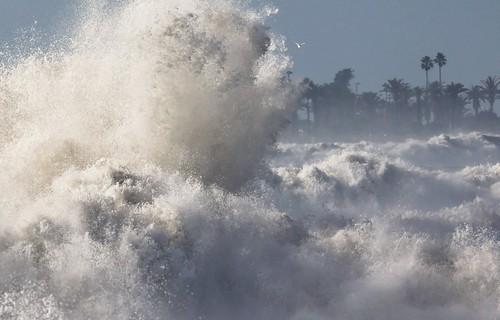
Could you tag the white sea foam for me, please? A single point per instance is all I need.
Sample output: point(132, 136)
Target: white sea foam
point(134, 186)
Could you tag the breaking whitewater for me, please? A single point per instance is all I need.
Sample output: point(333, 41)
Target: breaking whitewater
point(141, 180)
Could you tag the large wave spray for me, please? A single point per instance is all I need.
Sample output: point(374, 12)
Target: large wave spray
point(130, 187)
point(188, 85)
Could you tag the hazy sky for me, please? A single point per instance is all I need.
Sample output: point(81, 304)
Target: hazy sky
point(383, 39)
point(19, 14)
point(380, 39)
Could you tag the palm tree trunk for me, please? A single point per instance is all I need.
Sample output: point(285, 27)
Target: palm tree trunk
point(426, 86)
point(440, 81)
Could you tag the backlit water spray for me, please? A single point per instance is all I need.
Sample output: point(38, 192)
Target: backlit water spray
point(139, 181)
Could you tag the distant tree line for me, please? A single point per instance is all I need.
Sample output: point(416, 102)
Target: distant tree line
point(398, 107)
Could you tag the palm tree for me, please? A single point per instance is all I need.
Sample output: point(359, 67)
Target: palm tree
point(400, 93)
point(426, 64)
point(490, 88)
point(441, 61)
point(455, 101)
point(397, 88)
point(476, 95)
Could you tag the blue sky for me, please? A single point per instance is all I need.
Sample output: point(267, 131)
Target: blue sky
point(383, 39)
point(21, 14)
point(380, 39)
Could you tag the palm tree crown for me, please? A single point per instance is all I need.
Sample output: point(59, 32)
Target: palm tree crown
point(455, 102)
point(426, 64)
point(399, 90)
point(476, 95)
point(395, 87)
point(490, 88)
point(454, 89)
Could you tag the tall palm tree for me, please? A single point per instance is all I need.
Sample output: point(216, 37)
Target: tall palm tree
point(490, 88)
point(426, 64)
point(441, 61)
point(476, 95)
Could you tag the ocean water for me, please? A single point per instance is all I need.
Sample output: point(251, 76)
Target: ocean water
point(141, 179)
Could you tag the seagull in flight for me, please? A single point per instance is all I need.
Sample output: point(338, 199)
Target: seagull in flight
point(300, 45)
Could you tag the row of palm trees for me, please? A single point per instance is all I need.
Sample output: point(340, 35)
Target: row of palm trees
point(438, 105)
point(487, 91)
point(436, 96)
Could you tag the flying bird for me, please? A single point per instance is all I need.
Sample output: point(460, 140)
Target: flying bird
point(300, 45)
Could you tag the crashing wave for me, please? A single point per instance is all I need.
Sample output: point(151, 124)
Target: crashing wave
point(122, 153)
